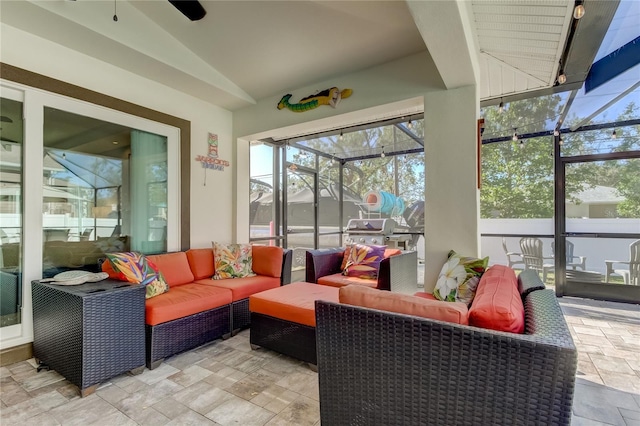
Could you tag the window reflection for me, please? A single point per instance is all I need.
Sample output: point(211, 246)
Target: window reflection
point(11, 211)
point(104, 191)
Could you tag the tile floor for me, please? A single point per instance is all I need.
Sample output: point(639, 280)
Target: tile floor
point(226, 383)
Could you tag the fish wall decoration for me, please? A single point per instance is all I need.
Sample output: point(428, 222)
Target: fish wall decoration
point(331, 97)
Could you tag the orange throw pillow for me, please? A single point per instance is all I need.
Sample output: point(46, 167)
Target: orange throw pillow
point(455, 312)
point(267, 260)
point(497, 305)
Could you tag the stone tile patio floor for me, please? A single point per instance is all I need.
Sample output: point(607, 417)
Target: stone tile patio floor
point(226, 383)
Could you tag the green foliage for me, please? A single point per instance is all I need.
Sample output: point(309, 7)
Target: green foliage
point(402, 175)
point(518, 178)
point(629, 187)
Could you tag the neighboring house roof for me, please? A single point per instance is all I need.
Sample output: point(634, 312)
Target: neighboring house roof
point(599, 195)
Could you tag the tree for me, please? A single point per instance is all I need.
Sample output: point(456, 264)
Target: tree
point(628, 184)
point(401, 175)
point(622, 175)
point(518, 177)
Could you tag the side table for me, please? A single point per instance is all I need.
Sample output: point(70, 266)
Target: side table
point(90, 332)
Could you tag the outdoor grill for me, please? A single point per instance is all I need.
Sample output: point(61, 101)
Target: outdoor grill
point(376, 231)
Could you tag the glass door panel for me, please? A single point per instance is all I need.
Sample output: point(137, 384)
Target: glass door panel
point(330, 227)
point(301, 213)
point(264, 194)
point(104, 190)
point(602, 228)
point(11, 211)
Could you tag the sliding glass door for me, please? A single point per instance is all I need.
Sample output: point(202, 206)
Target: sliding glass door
point(301, 222)
point(599, 235)
point(77, 181)
point(11, 210)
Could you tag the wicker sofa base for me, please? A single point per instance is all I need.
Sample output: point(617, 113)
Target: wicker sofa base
point(186, 333)
point(381, 368)
point(240, 315)
point(286, 337)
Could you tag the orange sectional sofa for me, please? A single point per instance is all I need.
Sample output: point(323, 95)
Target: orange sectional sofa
point(198, 309)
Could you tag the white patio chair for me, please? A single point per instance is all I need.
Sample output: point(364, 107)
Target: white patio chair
point(630, 274)
point(532, 256)
point(513, 258)
point(571, 263)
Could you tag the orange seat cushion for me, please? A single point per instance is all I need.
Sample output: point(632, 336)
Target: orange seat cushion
point(201, 262)
point(184, 300)
point(174, 267)
point(339, 280)
point(497, 304)
point(241, 288)
point(293, 302)
point(267, 260)
point(455, 312)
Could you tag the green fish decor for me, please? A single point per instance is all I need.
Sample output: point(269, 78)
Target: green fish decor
point(331, 97)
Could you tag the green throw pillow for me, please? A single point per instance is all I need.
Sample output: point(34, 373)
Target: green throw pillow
point(136, 268)
point(459, 278)
point(232, 261)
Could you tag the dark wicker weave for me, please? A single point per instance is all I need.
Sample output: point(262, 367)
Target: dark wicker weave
point(286, 337)
point(397, 273)
point(173, 337)
point(240, 315)
point(91, 332)
point(287, 261)
point(378, 368)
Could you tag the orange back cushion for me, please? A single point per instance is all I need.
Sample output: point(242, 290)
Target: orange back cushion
point(424, 295)
point(455, 312)
point(497, 304)
point(267, 260)
point(174, 267)
point(113, 274)
point(201, 262)
point(391, 252)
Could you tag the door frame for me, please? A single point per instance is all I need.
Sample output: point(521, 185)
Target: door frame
point(598, 291)
point(285, 201)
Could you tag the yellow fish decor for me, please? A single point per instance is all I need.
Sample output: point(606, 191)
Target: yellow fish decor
point(331, 97)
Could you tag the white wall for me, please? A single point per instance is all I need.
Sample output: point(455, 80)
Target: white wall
point(395, 81)
point(211, 204)
point(596, 250)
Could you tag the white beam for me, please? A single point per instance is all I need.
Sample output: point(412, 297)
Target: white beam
point(445, 26)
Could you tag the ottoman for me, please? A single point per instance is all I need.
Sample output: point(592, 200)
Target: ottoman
point(283, 319)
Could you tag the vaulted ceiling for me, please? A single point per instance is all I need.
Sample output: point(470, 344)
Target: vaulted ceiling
point(244, 51)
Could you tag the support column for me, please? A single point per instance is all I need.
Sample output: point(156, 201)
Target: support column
point(451, 196)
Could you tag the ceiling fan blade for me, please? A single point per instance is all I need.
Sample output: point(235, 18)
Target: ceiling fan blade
point(192, 9)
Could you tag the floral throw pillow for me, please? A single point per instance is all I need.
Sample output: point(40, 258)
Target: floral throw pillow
point(232, 261)
point(459, 278)
point(364, 261)
point(136, 268)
